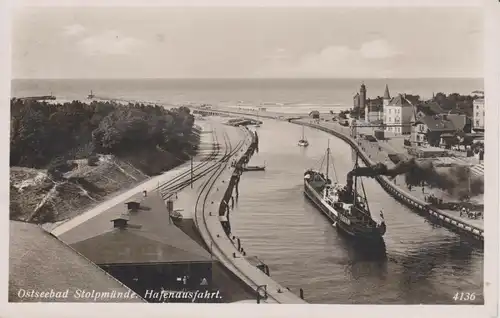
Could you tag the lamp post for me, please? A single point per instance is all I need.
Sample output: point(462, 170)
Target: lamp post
point(191, 172)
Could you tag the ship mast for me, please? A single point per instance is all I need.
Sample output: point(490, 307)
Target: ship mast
point(355, 191)
point(327, 158)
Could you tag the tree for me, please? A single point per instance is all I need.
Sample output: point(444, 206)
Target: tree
point(81, 129)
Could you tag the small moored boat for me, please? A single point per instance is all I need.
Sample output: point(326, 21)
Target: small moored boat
point(303, 141)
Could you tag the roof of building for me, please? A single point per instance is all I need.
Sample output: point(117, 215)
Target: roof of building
point(450, 122)
point(399, 100)
point(133, 246)
point(386, 93)
point(150, 237)
point(39, 261)
point(412, 99)
point(431, 108)
point(459, 121)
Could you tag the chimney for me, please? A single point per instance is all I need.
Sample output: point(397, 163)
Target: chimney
point(120, 222)
point(133, 206)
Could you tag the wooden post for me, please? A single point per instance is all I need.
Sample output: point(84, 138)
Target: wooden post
point(191, 172)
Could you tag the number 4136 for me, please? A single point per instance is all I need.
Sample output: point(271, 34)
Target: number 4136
point(464, 296)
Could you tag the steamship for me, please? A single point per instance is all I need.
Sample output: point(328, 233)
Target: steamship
point(344, 205)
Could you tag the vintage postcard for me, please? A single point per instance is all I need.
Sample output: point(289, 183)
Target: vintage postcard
point(331, 156)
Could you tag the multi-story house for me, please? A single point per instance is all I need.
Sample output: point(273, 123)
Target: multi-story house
point(398, 113)
point(478, 114)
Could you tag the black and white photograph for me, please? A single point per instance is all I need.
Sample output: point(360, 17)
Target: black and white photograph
point(250, 155)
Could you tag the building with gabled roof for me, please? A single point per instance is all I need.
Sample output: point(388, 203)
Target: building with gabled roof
point(426, 109)
point(142, 248)
point(398, 113)
point(429, 129)
point(39, 262)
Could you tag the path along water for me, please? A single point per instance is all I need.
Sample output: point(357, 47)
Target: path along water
point(424, 264)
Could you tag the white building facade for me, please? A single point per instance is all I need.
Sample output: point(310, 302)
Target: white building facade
point(398, 113)
point(478, 115)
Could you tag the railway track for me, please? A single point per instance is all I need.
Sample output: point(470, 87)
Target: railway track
point(203, 168)
point(168, 188)
point(203, 198)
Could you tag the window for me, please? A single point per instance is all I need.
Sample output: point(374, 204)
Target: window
point(477, 114)
point(477, 106)
point(390, 110)
point(477, 123)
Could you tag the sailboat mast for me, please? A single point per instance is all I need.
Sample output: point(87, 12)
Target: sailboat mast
point(327, 159)
point(302, 132)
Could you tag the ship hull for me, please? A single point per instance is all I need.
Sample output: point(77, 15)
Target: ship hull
point(340, 221)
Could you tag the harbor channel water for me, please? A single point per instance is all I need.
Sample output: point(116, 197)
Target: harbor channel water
point(424, 264)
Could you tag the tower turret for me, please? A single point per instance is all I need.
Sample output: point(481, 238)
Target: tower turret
point(362, 100)
point(362, 96)
point(387, 96)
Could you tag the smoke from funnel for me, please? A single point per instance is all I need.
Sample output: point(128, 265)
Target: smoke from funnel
point(456, 181)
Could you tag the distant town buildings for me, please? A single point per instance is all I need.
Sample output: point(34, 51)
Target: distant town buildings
point(426, 122)
point(373, 108)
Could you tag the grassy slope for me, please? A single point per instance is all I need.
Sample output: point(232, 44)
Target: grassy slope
point(35, 197)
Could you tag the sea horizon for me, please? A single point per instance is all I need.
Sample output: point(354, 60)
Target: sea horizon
point(287, 95)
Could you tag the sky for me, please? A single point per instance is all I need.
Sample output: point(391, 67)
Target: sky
point(218, 42)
